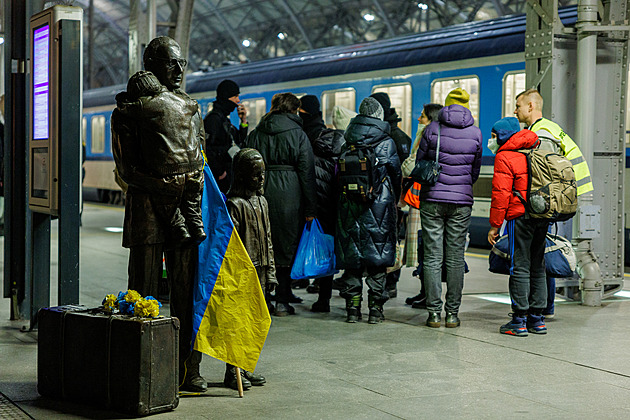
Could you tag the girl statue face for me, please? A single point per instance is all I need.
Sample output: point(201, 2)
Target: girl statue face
point(256, 179)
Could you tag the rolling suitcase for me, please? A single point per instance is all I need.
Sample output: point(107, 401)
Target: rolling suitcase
point(125, 363)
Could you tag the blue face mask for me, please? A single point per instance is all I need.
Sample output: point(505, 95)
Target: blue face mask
point(493, 145)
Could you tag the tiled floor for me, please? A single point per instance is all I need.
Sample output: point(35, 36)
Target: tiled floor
point(319, 367)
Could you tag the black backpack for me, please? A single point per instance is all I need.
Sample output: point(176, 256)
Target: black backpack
point(357, 173)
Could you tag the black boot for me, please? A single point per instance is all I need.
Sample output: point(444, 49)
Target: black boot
point(376, 311)
point(193, 381)
point(353, 308)
point(229, 379)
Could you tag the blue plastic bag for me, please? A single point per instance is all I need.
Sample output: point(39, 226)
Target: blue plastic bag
point(315, 255)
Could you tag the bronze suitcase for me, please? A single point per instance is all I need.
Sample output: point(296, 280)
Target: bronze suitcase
point(125, 363)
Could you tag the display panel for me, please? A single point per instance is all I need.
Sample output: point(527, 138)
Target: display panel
point(41, 82)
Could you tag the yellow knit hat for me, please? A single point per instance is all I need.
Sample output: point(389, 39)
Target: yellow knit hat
point(457, 97)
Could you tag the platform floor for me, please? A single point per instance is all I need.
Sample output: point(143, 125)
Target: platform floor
point(319, 367)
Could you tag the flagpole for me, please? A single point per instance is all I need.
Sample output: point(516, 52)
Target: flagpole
point(239, 381)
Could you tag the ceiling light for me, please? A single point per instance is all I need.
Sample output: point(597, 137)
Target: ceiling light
point(282, 35)
point(1, 40)
point(369, 17)
point(423, 6)
point(246, 43)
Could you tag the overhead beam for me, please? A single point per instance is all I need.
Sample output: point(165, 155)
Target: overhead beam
point(228, 27)
point(381, 12)
point(297, 23)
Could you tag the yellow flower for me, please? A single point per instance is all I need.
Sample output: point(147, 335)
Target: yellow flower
point(132, 296)
point(147, 308)
point(109, 303)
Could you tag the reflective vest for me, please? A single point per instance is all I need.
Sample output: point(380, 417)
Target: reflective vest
point(543, 128)
point(412, 197)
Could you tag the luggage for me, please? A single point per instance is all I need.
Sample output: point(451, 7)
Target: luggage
point(129, 364)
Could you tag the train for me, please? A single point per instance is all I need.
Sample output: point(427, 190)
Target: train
point(486, 58)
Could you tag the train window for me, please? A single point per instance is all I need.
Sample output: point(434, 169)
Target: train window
point(256, 108)
point(97, 145)
point(513, 84)
point(441, 87)
point(346, 98)
point(400, 96)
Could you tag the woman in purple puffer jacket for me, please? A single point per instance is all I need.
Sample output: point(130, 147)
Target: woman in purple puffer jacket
point(445, 207)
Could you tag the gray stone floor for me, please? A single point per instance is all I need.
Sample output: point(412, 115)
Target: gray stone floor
point(319, 367)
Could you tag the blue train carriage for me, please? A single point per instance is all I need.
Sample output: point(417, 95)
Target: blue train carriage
point(486, 58)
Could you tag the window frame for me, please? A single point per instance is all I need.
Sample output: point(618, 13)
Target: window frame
point(323, 104)
point(503, 93)
point(102, 121)
point(467, 76)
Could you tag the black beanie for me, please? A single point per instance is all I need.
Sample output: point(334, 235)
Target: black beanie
point(227, 89)
point(382, 99)
point(310, 104)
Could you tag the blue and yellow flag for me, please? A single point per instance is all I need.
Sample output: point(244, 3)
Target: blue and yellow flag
point(230, 316)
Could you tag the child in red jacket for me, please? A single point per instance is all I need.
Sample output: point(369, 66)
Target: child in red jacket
point(528, 290)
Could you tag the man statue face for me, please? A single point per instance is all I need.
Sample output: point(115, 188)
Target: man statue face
point(168, 66)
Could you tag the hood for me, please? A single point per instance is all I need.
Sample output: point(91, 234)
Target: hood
point(329, 143)
point(366, 130)
point(456, 116)
point(313, 125)
point(524, 139)
point(274, 123)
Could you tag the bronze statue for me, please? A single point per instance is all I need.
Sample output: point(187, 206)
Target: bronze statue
point(157, 138)
point(250, 214)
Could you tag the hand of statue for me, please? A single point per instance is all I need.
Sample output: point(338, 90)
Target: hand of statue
point(310, 218)
point(270, 287)
point(242, 113)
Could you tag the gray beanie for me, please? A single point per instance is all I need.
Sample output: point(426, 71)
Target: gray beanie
point(371, 108)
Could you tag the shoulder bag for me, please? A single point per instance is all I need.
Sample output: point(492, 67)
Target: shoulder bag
point(426, 172)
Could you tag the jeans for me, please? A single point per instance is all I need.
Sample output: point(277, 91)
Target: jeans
point(444, 229)
point(528, 284)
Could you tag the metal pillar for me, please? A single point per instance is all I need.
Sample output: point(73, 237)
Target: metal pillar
point(582, 75)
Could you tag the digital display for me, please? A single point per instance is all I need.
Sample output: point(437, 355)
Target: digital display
point(41, 82)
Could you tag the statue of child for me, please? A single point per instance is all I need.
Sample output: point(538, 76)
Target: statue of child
point(250, 214)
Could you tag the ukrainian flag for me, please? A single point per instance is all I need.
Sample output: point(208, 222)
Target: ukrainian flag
point(230, 316)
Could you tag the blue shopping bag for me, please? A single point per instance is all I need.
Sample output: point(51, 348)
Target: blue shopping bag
point(315, 255)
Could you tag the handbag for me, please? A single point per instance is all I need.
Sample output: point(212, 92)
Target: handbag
point(315, 256)
point(427, 172)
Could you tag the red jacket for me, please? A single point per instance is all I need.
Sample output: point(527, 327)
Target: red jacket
point(510, 172)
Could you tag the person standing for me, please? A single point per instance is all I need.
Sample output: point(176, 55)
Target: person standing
point(529, 106)
point(445, 208)
point(403, 145)
point(223, 139)
point(327, 144)
point(172, 136)
point(290, 186)
point(366, 230)
point(526, 235)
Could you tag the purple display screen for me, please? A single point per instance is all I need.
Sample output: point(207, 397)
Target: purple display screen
point(41, 82)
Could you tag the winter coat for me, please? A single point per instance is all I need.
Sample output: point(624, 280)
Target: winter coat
point(460, 156)
point(220, 133)
point(141, 225)
point(251, 220)
point(402, 140)
point(366, 232)
point(510, 173)
point(290, 180)
point(327, 148)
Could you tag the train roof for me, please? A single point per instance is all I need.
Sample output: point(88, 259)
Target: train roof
point(503, 35)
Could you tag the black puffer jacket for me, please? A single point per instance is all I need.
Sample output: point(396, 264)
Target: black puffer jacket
point(290, 180)
point(402, 140)
point(366, 232)
point(327, 148)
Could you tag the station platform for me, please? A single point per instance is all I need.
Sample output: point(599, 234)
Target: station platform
point(319, 367)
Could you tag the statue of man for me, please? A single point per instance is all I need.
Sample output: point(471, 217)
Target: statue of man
point(157, 137)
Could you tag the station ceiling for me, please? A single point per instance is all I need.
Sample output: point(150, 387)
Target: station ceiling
point(227, 32)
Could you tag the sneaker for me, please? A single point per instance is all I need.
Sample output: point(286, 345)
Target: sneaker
point(536, 324)
point(420, 304)
point(452, 321)
point(284, 309)
point(295, 299)
point(411, 299)
point(549, 315)
point(353, 314)
point(434, 320)
point(517, 327)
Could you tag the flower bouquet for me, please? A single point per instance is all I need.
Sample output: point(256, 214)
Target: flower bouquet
point(132, 303)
